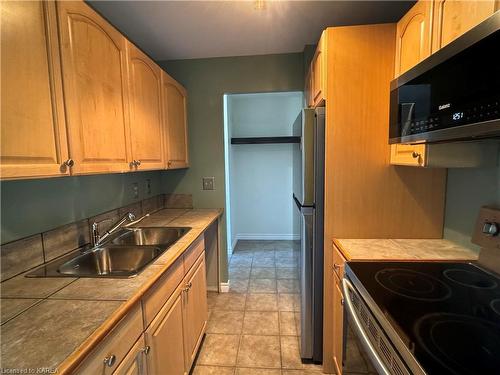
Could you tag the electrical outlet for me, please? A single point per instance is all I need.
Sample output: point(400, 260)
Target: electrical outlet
point(148, 186)
point(135, 190)
point(208, 183)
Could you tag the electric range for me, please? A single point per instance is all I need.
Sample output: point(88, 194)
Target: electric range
point(426, 317)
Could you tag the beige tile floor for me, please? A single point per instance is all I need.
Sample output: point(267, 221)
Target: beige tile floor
point(254, 329)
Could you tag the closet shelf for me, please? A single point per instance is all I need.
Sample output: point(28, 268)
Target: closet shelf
point(263, 140)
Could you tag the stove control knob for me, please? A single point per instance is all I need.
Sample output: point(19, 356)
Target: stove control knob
point(490, 229)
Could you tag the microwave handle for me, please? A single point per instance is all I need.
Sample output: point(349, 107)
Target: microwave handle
point(377, 361)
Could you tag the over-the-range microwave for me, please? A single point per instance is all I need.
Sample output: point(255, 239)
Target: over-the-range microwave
point(452, 95)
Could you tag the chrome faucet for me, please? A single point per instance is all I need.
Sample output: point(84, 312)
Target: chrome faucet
point(97, 239)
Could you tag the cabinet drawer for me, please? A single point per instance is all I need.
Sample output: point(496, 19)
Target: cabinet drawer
point(193, 253)
point(115, 345)
point(338, 262)
point(135, 361)
point(412, 155)
point(159, 293)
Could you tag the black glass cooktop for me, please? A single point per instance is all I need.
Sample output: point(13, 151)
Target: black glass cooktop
point(447, 314)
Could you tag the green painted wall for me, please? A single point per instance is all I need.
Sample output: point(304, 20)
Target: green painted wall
point(206, 81)
point(34, 206)
point(467, 190)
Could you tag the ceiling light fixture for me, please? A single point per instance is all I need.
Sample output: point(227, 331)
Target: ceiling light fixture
point(259, 4)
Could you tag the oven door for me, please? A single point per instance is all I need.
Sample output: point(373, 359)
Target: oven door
point(366, 347)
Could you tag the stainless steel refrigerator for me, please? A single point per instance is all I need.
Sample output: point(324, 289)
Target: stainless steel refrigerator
point(308, 194)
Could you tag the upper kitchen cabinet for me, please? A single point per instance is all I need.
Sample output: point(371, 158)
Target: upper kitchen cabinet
point(318, 75)
point(33, 131)
point(175, 117)
point(413, 37)
point(146, 126)
point(315, 85)
point(454, 18)
point(94, 65)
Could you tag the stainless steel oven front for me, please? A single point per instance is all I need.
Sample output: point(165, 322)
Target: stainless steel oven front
point(367, 349)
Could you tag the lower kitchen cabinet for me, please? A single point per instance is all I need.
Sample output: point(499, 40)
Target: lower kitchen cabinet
point(134, 362)
point(165, 338)
point(338, 309)
point(338, 324)
point(167, 343)
point(195, 308)
point(175, 334)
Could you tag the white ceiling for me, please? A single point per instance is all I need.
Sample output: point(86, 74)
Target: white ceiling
point(194, 29)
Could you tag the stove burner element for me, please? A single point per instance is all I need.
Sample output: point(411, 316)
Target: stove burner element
point(495, 305)
point(413, 284)
point(462, 344)
point(470, 279)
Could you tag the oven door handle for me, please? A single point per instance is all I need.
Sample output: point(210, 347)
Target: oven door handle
point(377, 361)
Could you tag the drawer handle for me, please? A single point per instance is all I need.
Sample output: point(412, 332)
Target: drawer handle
point(146, 349)
point(110, 360)
point(415, 155)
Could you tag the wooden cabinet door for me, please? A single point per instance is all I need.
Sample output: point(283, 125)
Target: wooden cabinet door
point(411, 155)
point(308, 89)
point(338, 324)
point(318, 72)
point(165, 338)
point(413, 36)
point(195, 309)
point(146, 127)
point(175, 117)
point(452, 18)
point(134, 362)
point(33, 131)
point(94, 64)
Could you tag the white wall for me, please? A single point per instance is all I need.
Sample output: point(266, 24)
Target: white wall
point(261, 175)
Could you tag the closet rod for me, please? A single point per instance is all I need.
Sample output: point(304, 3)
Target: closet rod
point(263, 140)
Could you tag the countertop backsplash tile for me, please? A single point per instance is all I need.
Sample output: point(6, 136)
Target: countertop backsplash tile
point(178, 201)
point(27, 253)
point(21, 255)
point(64, 239)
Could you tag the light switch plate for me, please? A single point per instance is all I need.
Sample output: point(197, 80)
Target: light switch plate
point(208, 183)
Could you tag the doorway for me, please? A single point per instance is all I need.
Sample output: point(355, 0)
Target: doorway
point(258, 176)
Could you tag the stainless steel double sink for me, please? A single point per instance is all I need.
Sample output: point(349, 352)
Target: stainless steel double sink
point(125, 254)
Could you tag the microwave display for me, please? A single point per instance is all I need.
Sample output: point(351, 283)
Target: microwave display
point(458, 98)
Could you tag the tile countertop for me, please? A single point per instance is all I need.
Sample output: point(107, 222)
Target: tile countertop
point(48, 322)
point(404, 249)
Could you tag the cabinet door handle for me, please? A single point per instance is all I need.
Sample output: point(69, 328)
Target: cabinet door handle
point(69, 163)
point(336, 266)
point(137, 163)
point(146, 349)
point(110, 360)
point(188, 286)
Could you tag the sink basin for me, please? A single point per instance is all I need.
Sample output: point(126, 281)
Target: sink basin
point(157, 236)
point(118, 261)
point(125, 254)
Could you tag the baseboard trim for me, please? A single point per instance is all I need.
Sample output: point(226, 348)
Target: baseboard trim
point(224, 287)
point(262, 236)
